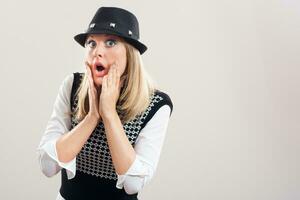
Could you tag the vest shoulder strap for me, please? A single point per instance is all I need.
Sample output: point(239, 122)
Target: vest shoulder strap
point(160, 99)
point(75, 85)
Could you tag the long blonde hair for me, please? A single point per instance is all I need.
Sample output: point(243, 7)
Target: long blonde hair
point(135, 94)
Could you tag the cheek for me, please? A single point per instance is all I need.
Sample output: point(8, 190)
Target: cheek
point(121, 59)
point(122, 66)
point(88, 56)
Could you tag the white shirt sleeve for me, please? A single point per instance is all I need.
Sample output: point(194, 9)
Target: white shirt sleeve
point(58, 124)
point(147, 148)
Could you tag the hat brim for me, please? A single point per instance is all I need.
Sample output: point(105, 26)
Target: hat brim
point(81, 38)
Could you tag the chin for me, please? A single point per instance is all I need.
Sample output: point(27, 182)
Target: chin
point(98, 82)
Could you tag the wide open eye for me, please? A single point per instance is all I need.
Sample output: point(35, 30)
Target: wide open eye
point(91, 43)
point(110, 42)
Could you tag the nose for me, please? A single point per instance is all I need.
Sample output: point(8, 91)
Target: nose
point(100, 50)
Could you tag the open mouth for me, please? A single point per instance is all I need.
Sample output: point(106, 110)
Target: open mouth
point(99, 68)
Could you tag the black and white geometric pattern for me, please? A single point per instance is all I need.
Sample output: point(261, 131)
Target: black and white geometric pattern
point(94, 157)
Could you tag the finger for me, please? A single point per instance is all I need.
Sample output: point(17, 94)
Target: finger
point(118, 72)
point(116, 77)
point(104, 83)
point(109, 77)
point(89, 87)
point(90, 80)
point(89, 77)
point(120, 85)
point(90, 93)
point(90, 74)
point(113, 72)
point(87, 74)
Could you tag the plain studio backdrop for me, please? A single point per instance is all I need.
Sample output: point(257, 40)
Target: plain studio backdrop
point(230, 67)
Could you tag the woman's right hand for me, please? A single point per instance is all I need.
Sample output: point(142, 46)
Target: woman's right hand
point(93, 94)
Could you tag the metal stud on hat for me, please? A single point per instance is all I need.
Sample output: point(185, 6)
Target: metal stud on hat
point(92, 25)
point(112, 25)
point(129, 32)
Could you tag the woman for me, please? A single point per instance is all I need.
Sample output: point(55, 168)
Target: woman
point(108, 125)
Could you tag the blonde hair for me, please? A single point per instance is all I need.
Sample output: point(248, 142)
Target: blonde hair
point(135, 94)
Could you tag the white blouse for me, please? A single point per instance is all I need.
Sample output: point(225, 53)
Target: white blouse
point(147, 147)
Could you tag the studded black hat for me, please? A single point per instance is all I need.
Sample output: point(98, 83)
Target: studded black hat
point(115, 21)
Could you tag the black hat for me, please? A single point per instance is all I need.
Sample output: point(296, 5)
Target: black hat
point(115, 21)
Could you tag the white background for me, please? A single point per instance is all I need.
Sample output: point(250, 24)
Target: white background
point(232, 71)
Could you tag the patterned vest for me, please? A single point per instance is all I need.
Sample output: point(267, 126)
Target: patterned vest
point(95, 174)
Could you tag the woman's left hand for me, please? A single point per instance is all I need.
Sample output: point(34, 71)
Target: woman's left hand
point(110, 92)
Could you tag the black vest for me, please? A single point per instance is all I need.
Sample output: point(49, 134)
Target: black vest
point(95, 177)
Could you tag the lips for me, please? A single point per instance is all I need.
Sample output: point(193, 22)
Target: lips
point(98, 64)
point(99, 69)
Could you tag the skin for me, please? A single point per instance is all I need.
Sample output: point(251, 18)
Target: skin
point(109, 49)
point(103, 95)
